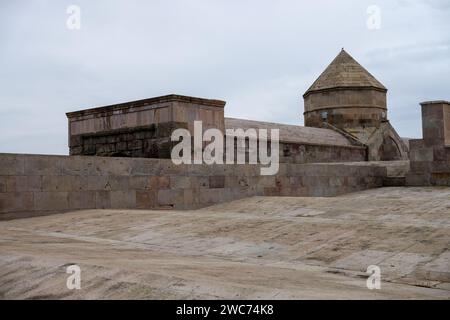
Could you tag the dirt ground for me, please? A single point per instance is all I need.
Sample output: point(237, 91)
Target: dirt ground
point(255, 248)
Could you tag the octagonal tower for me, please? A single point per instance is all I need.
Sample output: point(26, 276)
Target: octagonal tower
point(345, 95)
point(348, 99)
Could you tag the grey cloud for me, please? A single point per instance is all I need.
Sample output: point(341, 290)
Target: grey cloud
point(438, 4)
point(259, 56)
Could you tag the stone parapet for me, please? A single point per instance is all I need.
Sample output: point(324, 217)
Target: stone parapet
point(30, 184)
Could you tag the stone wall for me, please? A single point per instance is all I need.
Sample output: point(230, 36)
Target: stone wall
point(346, 108)
point(430, 156)
point(30, 184)
point(152, 141)
point(309, 153)
point(300, 144)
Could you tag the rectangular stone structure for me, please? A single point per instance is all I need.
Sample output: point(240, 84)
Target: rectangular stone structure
point(140, 128)
point(430, 156)
point(436, 123)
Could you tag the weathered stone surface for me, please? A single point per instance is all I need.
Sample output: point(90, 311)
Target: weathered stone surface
point(82, 200)
point(254, 248)
point(146, 199)
point(292, 133)
point(180, 182)
point(51, 200)
point(216, 182)
point(63, 183)
point(139, 128)
point(147, 183)
point(102, 199)
point(170, 197)
point(123, 199)
point(16, 202)
point(11, 164)
point(40, 165)
point(159, 182)
point(22, 183)
point(79, 166)
point(430, 157)
point(3, 183)
point(139, 183)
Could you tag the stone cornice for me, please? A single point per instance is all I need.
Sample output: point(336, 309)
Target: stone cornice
point(146, 102)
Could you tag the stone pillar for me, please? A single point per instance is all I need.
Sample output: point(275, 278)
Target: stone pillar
point(436, 123)
point(430, 156)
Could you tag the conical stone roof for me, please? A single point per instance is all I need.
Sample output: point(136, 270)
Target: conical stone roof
point(343, 72)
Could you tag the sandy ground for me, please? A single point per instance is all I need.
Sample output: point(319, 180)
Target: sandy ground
point(255, 248)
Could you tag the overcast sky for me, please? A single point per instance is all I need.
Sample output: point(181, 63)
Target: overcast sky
point(259, 56)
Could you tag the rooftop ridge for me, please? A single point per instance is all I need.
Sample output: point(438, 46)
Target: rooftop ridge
point(294, 133)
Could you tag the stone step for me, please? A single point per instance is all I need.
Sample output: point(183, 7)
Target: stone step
point(394, 181)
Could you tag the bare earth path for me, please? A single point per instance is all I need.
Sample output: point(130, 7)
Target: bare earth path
point(256, 248)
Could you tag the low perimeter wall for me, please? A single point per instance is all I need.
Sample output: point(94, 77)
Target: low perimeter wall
point(36, 183)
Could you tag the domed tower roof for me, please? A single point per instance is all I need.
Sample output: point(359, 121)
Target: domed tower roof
point(345, 72)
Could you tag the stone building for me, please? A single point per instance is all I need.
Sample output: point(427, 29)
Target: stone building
point(345, 118)
point(139, 128)
point(124, 152)
point(348, 99)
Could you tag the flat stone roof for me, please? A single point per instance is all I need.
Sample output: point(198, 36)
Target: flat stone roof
point(293, 133)
point(149, 101)
point(254, 248)
point(435, 102)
